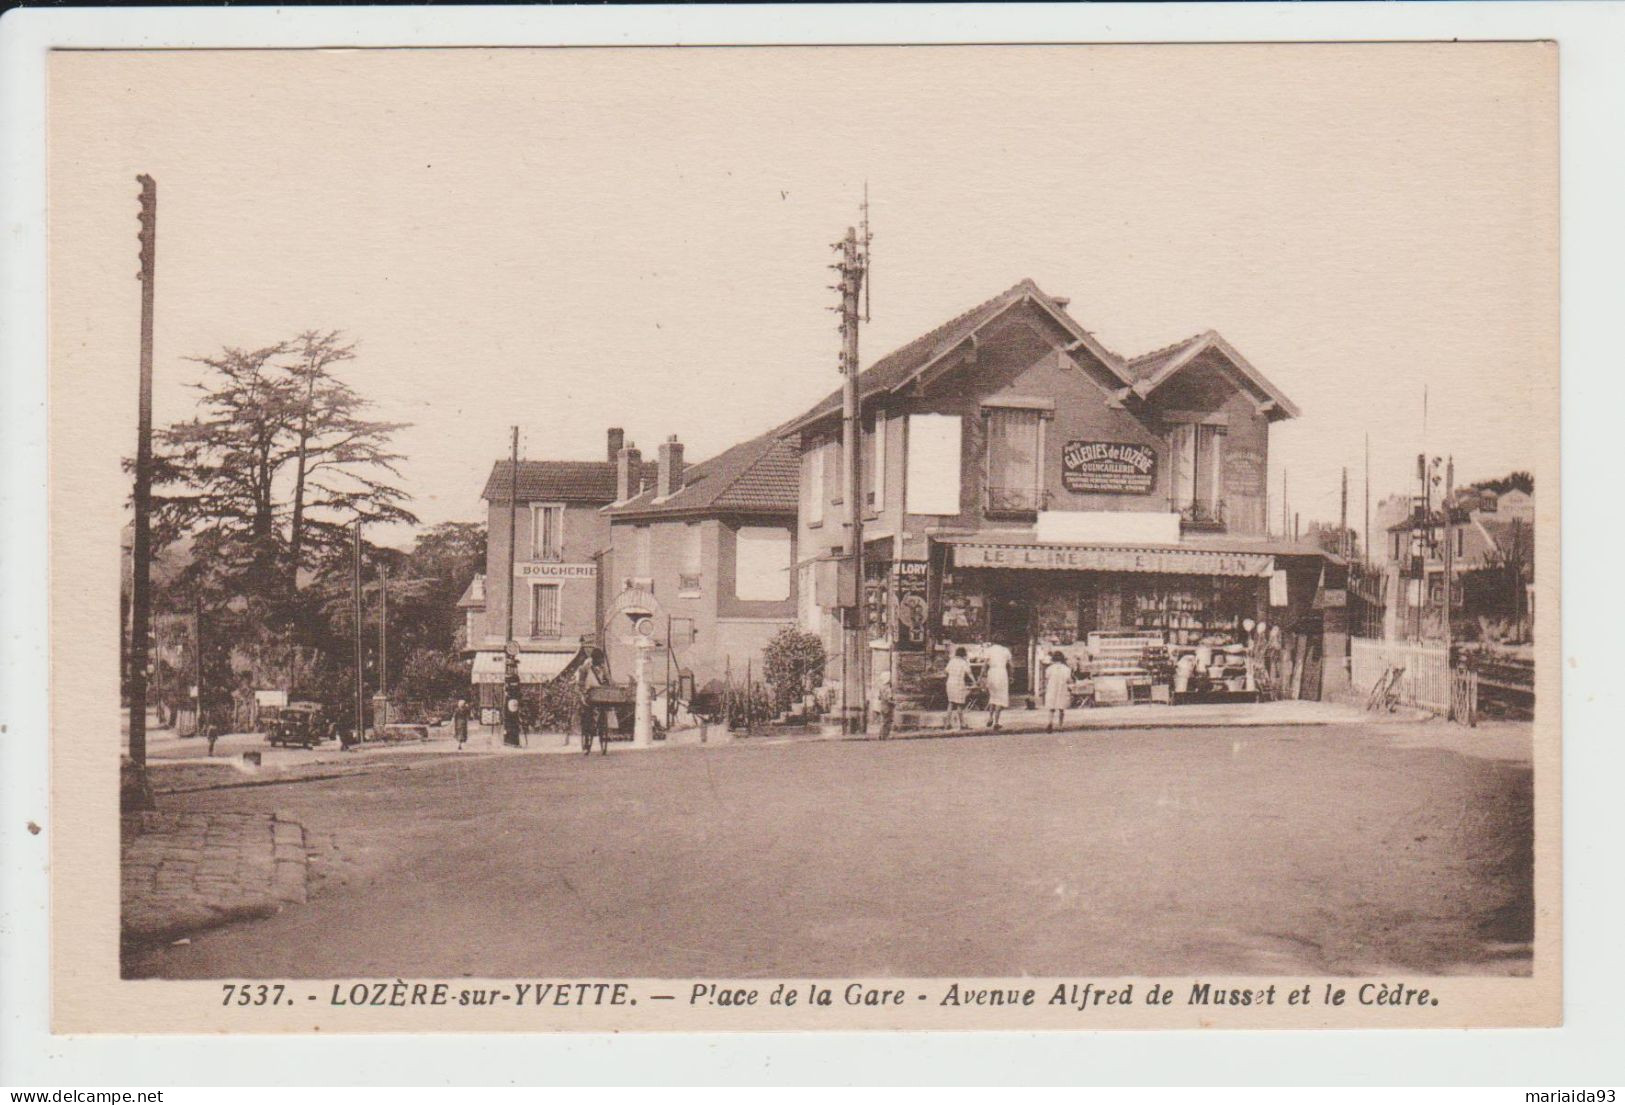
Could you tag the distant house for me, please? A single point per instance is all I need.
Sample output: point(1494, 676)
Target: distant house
point(1490, 539)
point(559, 535)
point(707, 554)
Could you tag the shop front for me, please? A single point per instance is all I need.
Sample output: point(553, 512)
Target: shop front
point(1134, 623)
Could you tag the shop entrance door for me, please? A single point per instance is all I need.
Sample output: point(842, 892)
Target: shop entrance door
point(1010, 620)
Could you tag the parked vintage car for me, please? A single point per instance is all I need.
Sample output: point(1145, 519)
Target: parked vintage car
point(302, 723)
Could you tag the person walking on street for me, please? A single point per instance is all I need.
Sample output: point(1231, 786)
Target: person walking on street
point(593, 675)
point(959, 681)
point(885, 704)
point(1057, 690)
point(459, 723)
point(998, 681)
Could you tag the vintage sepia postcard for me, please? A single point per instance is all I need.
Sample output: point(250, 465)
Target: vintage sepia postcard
point(944, 537)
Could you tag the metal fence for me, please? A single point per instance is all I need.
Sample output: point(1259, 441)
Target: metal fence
point(1424, 671)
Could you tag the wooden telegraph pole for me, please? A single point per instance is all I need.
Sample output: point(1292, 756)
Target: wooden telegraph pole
point(383, 629)
point(360, 649)
point(513, 526)
point(854, 641)
point(141, 543)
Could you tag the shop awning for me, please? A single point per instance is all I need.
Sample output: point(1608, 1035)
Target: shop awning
point(534, 667)
point(969, 552)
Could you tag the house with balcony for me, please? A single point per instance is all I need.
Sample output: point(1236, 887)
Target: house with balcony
point(554, 508)
point(1026, 485)
point(707, 555)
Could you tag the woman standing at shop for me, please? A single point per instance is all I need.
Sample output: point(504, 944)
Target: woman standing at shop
point(959, 681)
point(998, 660)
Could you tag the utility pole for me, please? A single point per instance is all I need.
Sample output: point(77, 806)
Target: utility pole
point(513, 526)
point(1366, 533)
point(510, 649)
point(1286, 515)
point(197, 660)
point(360, 650)
point(383, 629)
point(855, 644)
point(1449, 549)
point(141, 542)
point(1343, 517)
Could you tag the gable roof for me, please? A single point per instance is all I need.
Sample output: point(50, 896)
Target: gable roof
point(759, 476)
point(560, 481)
point(1140, 375)
point(904, 365)
point(1152, 370)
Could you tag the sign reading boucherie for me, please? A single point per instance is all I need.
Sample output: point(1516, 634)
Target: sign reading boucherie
point(550, 570)
point(1063, 558)
point(1115, 467)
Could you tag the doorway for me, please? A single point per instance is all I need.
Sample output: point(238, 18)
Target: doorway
point(1010, 619)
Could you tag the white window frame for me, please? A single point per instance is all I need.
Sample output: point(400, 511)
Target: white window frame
point(643, 540)
point(537, 512)
point(815, 485)
point(934, 464)
point(690, 572)
point(875, 465)
point(782, 566)
point(537, 586)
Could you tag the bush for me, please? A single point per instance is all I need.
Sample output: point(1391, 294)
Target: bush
point(553, 707)
point(791, 662)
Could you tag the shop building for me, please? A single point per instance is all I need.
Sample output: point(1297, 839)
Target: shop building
point(1025, 485)
point(707, 554)
point(560, 533)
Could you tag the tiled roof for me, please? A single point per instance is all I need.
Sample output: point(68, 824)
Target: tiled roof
point(897, 367)
point(1143, 372)
point(559, 481)
point(1147, 365)
point(759, 476)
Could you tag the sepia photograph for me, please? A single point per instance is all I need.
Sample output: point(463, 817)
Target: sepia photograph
point(964, 536)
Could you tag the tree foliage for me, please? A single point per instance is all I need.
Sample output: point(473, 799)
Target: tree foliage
point(1512, 481)
point(275, 465)
point(790, 659)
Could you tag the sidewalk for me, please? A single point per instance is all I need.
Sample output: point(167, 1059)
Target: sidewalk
point(184, 872)
point(929, 723)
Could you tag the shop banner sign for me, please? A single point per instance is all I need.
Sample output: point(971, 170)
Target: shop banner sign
point(1064, 558)
point(913, 605)
point(1113, 467)
point(550, 570)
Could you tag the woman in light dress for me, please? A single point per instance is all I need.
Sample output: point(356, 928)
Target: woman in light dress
point(1057, 690)
point(998, 660)
point(959, 681)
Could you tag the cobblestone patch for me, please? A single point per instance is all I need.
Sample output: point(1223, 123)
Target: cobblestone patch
point(184, 872)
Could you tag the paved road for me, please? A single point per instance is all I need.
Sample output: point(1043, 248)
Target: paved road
point(1316, 850)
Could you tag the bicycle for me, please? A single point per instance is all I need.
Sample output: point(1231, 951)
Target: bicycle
point(1385, 691)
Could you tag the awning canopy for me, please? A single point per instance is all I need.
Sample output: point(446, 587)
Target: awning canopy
point(971, 553)
point(534, 667)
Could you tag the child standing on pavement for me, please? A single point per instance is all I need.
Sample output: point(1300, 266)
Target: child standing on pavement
point(1057, 690)
point(885, 704)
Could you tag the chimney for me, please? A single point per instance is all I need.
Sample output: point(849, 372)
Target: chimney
point(671, 468)
point(628, 468)
point(617, 438)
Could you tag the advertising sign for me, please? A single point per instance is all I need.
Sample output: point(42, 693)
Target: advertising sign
point(1085, 559)
point(550, 570)
point(1113, 467)
point(913, 606)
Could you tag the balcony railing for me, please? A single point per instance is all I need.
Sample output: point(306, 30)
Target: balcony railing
point(1200, 517)
point(547, 629)
point(1012, 502)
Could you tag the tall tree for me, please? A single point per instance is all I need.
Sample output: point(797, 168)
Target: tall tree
point(279, 460)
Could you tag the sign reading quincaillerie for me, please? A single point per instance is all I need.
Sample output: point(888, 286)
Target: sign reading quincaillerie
point(1114, 467)
point(550, 570)
point(1064, 558)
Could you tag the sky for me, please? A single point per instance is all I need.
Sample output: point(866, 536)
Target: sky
point(568, 240)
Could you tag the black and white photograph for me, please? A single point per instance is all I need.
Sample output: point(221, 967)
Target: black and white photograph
point(945, 536)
